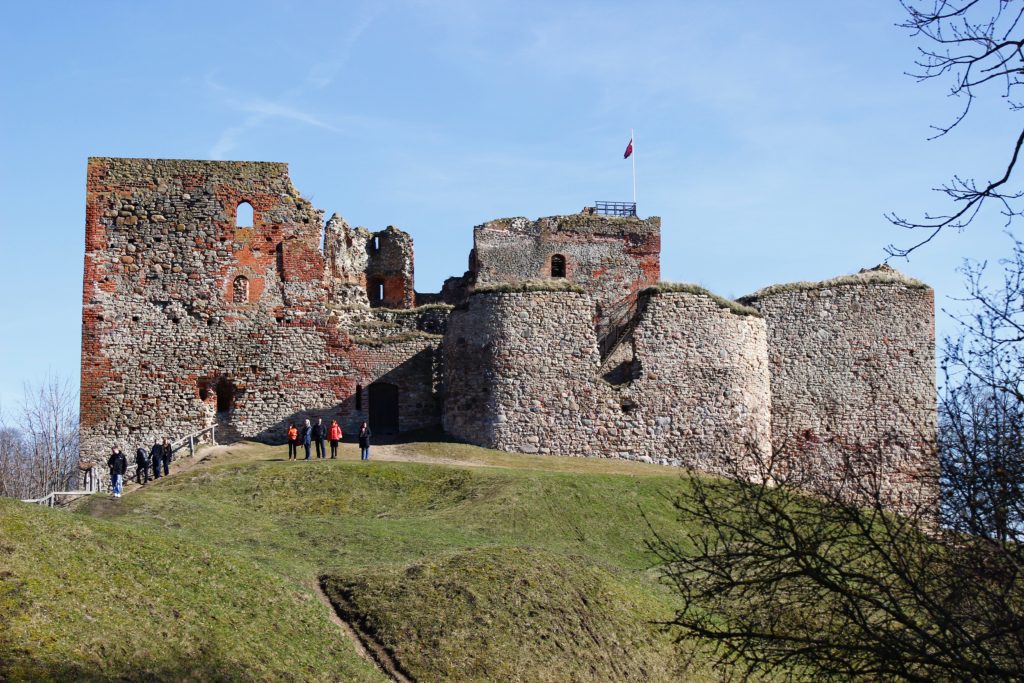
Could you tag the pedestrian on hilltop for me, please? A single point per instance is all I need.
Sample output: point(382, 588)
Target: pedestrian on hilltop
point(118, 465)
point(141, 466)
point(293, 442)
point(334, 436)
point(364, 441)
point(156, 455)
point(168, 454)
point(307, 437)
point(319, 434)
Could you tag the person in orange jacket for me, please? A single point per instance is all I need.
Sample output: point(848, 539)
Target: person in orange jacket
point(293, 442)
point(334, 436)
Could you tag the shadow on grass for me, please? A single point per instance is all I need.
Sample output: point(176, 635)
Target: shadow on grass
point(197, 666)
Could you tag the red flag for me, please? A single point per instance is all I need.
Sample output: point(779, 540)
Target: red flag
point(629, 149)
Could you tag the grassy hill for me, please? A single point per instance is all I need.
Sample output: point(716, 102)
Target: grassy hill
point(455, 562)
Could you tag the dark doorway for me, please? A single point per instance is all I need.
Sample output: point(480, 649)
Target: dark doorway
point(383, 408)
point(225, 398)
point(557, 266)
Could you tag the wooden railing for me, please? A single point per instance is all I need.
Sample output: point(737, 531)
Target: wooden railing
point(50, 499)
point(192, 438)
point(92, 481)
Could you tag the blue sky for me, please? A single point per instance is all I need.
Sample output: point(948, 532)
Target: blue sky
point(771, 137)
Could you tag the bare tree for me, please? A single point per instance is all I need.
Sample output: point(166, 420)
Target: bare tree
point(39, 450)
point(976, 45)
point(14, 470)
point(820, 588)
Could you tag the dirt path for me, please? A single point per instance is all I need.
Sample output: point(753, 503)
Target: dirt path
point(368, 648)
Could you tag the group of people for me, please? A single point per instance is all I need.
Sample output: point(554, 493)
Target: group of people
point(315, 434)
point(158, 457)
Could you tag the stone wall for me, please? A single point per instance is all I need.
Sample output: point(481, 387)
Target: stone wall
point(612, 258)
point(389, 272)
point(853, 383)
point(369, 268)
point(190, 319)
point(522, 373)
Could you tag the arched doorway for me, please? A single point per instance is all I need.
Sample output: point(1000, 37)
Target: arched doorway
point(557, 266)
point(383, 408)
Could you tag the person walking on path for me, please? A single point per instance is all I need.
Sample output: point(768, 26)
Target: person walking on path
point(118, 465)
point(156, 455)
point(167, 454)
point(141, 466)
point(334, 436)
point(307, 437)
point(293, 442)
point(364, 441)
point(318, 436)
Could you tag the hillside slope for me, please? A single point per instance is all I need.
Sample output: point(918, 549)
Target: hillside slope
point(83, 599)
point(468, 564)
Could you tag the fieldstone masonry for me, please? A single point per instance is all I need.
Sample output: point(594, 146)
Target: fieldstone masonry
point(560, 341)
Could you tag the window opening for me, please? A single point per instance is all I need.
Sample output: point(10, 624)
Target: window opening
point(376, 243)
point(557, 266)
point(375, 291)
point(244, 215)
point(359, 397)
point(240, 290)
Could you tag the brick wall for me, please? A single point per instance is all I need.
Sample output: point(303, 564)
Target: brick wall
point(612, 258)
point(163, 331)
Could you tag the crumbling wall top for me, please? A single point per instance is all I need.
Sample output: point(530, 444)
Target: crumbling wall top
point(882, 274)
point(588, 224)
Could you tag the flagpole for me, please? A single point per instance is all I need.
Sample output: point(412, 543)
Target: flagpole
point(633, 138)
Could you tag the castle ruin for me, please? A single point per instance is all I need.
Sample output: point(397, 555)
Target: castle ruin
point(559, 338)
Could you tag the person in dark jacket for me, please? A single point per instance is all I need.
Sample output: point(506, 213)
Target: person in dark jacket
point(118, 465)
point(319, 434)
point(364, 441)
point(167, 454)
point(307, 437)
point(156, 455)
point(141, 466)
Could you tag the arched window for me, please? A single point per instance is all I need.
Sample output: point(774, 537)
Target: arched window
point(244, 215)
point(240, 290)
point(557, 266)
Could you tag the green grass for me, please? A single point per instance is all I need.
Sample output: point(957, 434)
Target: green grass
point(85, 599)
point(509, 614)
point(398, 338)
point(234, 547)
point(686, 288)
point(538, 285)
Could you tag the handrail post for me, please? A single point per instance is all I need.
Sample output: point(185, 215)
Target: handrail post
point(191, 446)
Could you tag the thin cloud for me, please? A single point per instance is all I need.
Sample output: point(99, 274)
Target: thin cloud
point(261, 110)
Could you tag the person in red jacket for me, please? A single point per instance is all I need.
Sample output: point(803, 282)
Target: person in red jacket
point(334, 436)
point(293, 442)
